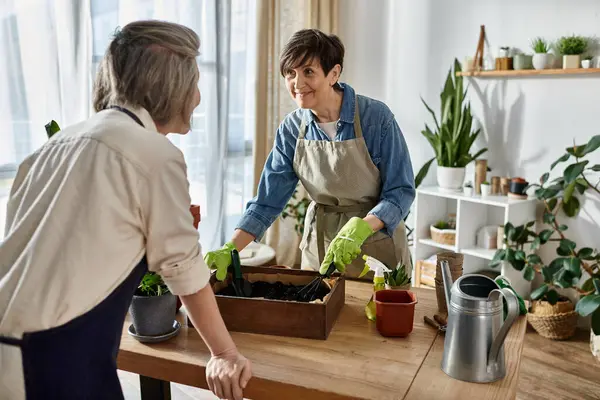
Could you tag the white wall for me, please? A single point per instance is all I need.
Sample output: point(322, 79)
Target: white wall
point(398, 50)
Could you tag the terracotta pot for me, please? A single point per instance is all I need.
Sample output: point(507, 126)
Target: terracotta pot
point(195, 210)
point(395, 312)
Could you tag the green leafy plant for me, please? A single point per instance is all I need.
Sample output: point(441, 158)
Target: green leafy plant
point(443, 225)
point(588, 58)
point(485, 183)
point(468, 184)
point(397, 277)
point(572, 45)
point(540, 45)
point(452, 137)
point(152, 285)
point(296, 209)
point(566, 269)
point(51, 128)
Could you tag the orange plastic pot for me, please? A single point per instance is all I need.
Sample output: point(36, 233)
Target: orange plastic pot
point(395, 312)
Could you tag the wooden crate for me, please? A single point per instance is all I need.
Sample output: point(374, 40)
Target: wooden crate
point(278, 317)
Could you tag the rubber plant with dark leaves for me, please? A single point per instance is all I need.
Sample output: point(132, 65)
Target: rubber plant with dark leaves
point(572, 263)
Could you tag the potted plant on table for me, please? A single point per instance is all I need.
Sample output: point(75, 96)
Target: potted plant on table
point(586, 62)
point(397, 279)
point(153, 308)
point(578, 268)
point(541, 56)
point(571, 48)
point(453, 136)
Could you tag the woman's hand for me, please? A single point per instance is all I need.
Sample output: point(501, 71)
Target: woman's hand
point(228, 374)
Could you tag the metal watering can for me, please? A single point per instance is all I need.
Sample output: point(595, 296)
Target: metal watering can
point(474, 342)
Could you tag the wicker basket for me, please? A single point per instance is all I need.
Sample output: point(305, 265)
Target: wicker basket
point(443, 236)
point(557, 322)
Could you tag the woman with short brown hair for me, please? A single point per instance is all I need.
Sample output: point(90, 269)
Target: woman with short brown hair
point(101, 203)
point(351, 157)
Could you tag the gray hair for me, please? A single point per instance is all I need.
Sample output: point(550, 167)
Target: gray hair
point(150, 64)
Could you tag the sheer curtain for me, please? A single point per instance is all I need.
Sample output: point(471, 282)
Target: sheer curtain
point(45, 41)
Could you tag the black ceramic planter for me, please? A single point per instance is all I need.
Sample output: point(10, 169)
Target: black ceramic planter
point(518, 187)
point(153, 315)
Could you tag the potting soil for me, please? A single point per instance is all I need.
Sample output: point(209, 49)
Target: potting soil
point(277, 291)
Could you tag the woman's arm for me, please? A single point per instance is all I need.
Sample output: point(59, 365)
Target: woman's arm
point(397, 177)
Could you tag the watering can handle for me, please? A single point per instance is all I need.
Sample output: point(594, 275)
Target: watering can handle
point(513, 313)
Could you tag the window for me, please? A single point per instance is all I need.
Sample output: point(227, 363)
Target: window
point(220, 211)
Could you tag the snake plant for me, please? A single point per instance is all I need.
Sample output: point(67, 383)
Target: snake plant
point(452, 137)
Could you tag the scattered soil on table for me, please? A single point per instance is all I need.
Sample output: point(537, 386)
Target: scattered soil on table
point(278, 291)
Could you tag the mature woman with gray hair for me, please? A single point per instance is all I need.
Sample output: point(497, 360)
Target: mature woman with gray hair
point(101, 203)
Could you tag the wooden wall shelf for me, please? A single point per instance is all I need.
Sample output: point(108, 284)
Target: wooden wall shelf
point(529, 72)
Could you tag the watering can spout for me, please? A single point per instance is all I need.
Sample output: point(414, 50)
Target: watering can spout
point(447, 277)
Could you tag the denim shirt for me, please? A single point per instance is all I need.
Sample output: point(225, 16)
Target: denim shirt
point(386, 146)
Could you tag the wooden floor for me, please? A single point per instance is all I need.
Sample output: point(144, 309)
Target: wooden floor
point(561, 370)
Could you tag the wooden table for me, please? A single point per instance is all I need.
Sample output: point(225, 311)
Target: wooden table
point(354, 362)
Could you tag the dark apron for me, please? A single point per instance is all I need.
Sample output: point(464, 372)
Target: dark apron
point(78, 360)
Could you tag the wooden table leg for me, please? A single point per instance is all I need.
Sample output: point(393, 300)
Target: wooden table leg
point(154, 389)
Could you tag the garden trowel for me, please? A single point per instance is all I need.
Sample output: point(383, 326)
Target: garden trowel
point(242, 287)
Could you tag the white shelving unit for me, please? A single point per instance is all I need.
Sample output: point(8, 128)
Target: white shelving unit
point(472, 213)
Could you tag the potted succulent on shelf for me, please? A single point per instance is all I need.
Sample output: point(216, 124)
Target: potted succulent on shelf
point(571, 48)
point(468, 189)
point(586, 62)
point(574, 268)
point(453, 136)
point(485, 188)
point(541, 57)
point(153, 309)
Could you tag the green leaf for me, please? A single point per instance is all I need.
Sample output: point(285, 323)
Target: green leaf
point(571, 208)
point(535, 244)
point(563, 158)
point(547, 274)
point(562, 279)
point(592, 145)
point(566, 247)
point(545, 235)
point(509, 231)
point(552, 204)
point(573, 265)
point(51, 128)
point(534, 259)
point(596, 168)
point(520, 255)
point(423, 172)
point(539, 292)
point(586, 253)
point(528, 273)
point(574, 170)
point(549, 218)
point(544, 178)
point(569, 191)
point(563, 227)
point(518, 264)
point(596, 322)
point(529, 224)
point(588, 304)
point(588, 285)
point(597, 285)
point(498, 258)
point(510, 255)
point(552, 297)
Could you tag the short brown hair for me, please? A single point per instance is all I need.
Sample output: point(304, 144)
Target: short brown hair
point(150, 64)
point(308, 44)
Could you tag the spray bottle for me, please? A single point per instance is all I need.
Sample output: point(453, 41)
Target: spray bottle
point(373, 264)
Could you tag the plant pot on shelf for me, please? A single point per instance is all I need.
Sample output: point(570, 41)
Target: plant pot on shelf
point(571, 61)
point(450, 179)
point(595, 345)
point(522, 61)
point(557, 322)
point(395, 312)
point(485, 189)
point(443, 236)
point(468, 191)
point(586, 63)
point(540, 60)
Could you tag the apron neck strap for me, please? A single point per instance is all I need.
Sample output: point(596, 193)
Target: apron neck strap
point(357, 129)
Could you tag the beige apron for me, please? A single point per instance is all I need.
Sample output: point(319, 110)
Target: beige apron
point(343, 182)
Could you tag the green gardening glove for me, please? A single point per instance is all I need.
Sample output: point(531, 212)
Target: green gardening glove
point(345, 247)
point(220, 260)
point(503, 283)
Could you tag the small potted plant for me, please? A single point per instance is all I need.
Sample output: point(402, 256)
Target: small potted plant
point(571, 48)
point(522, 61)
point(153, 308)
point(444, 232)
point(541, 58)
point(397, 279)
point(485, 188)
point(468, 189)
point(586, 62)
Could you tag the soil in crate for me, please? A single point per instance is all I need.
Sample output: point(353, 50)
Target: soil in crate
point(277, 291)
